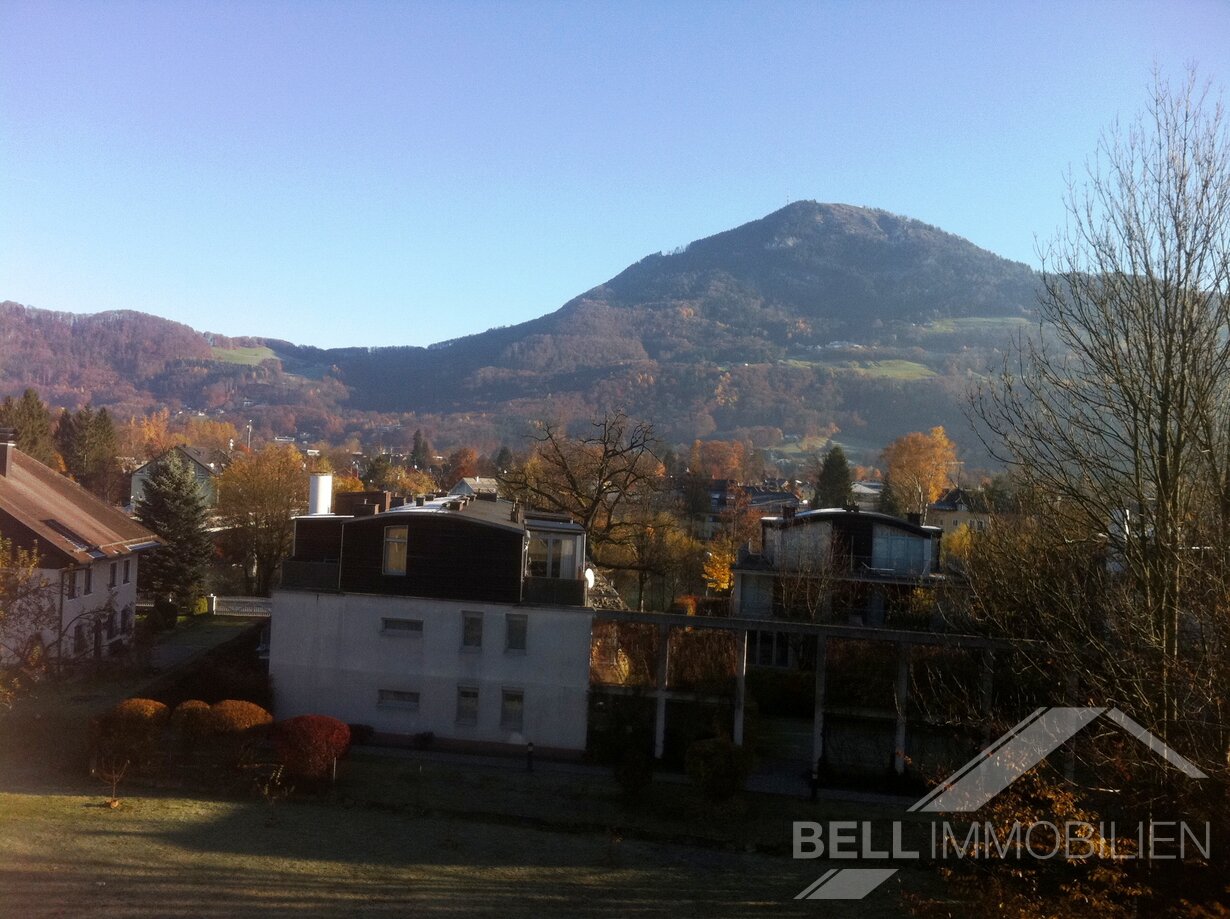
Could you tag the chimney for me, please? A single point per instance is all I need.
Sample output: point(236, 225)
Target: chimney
point(788, 511)
point(320, 494)
point(914, 517)
point(419, 501)
point(8, 445)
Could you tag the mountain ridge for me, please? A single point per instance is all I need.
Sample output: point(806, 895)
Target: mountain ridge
point(741, 331)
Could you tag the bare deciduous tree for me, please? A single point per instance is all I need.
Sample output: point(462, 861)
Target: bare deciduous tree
point(1118, 412)
point(601, 479)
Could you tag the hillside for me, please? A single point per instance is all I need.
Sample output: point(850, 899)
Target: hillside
point(814, 319)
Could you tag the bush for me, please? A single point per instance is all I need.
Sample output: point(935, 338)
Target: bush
point(190, 722)
point(165, 614)
point(131, 730)
point(634, 771)
point(233, 716)
point(308, 745)
point(717, 767)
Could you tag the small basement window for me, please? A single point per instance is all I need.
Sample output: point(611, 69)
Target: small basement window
point(398, 698)
point(409, 627)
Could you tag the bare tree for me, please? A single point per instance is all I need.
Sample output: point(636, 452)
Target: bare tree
point(1118, 412)
point(601, 479)
point(27, 610)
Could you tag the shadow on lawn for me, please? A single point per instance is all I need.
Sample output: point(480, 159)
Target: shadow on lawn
point(337, 861)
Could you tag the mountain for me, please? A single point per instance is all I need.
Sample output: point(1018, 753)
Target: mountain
point(817, 319)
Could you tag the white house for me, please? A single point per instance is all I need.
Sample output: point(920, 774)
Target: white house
point(465, 618)
point(87, 559)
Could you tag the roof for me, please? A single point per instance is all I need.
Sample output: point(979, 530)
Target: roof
point(956, 499)
point(837, 513)
point(65, 518)
point(206, 459)
point(476, 484)
point(497, 513)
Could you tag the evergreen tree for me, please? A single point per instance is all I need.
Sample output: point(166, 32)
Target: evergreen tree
point(174, 508)
point(889, 503)
point(420, 453)
point(31, 419)
point(833, 480)
point(89, 445)
point(504, 459)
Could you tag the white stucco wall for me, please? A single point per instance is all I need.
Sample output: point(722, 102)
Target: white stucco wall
point(329, 655)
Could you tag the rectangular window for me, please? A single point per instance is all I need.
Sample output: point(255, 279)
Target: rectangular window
point(398, 698)
point(79, 638)
point(514, 632)
point(512, 710)
point(552, 557)
point(71, 582)
point(467, 705)
point(127, 570)
point(89, 582)
point(111, 627)
point(114, 574)
point(472, 630)
point(394, 550)
point(409, 627)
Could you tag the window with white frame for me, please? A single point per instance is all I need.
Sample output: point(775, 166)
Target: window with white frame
point(471, 631)
point(71, 583)
point(467, 704)
point(552, 556)
point(398, 698)
point(127, 570)
point(89, 582)
point(395, 550)
point(111, 582)
point(512, 709)
point(515, 628)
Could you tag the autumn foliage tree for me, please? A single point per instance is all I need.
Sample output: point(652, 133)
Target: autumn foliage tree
point(259, 495)
point(917, 469)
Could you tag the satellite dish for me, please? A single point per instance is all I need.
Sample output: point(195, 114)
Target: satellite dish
point(589, 578)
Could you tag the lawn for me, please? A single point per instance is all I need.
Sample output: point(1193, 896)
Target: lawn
point(70, 855)
point(404, 833)
point(250, 356)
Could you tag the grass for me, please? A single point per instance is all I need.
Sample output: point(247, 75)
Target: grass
point(404, 833)
point(247, 356)
point(891, 369)
point(161, 856)
point(975, 323)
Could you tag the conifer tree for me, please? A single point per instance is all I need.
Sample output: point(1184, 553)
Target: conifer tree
point(31, 419)
point(833, 480)
point(89, 445)
point(174, 508)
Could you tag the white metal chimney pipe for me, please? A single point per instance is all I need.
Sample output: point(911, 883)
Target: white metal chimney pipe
point(320, 494)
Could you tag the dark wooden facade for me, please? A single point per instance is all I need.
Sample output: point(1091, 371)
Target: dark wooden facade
point(448, 556)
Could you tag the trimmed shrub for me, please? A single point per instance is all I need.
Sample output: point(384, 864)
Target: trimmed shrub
point(307, 745)
point(717, 767)
point(634, 772)
point(190, 722)
point(234, 716)
point(131, 730)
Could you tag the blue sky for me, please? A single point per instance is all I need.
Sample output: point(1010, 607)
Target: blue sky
point(372, 173)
